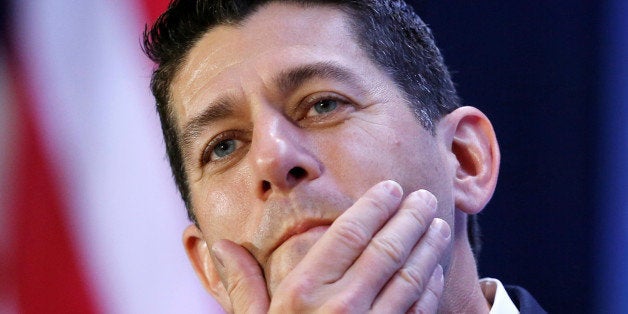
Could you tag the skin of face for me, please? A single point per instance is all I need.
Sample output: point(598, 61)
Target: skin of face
point(286, 122)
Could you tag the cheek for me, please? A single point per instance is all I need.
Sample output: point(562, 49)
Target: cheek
point(352, 163)
point(411, 158)
point(218, 211)
point(359, 157)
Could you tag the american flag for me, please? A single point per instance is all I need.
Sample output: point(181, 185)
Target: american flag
point(90, 220)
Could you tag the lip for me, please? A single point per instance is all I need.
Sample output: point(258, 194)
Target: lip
point(299, 228)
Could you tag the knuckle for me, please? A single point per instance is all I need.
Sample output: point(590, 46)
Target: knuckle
point(380, 204)
point(298, 296)
point(419, 310)
point(421, 217)
point(392, 247)
point(347, 301)
point(428, 303)
point(433, 290)
point(238, 285)
point(338, 306)
point(413, 277)
point(436, 244)
point(353, 234)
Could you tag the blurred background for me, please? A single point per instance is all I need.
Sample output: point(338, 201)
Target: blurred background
point(90, 220)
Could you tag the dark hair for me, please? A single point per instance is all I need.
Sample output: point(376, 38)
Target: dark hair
point(389, 31)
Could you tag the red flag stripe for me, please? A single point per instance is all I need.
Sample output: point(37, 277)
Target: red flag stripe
point(47, 273)
point(153, 9)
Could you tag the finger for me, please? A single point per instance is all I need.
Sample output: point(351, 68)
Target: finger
point(390, 247)
point(242, 277)
point(429, 300)
point(414, 278)
point(350, 233)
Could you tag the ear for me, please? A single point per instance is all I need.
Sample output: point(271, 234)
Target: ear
point(199, 254)
point(471, 140)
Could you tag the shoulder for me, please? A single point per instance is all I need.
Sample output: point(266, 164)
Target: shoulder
point(524, 301)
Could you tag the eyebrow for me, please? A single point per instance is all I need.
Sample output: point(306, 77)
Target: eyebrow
point(217, 110)
point(286, 82)
point(291, 79)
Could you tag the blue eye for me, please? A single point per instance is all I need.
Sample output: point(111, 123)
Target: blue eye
point(324, 106)
point(224, 148)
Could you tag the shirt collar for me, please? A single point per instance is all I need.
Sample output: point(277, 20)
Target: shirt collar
point(497, 297)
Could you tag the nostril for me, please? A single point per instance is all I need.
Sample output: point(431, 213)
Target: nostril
point(297, 173)
point(265, 186)
point(294, 176)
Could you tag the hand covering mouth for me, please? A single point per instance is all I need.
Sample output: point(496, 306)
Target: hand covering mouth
point(285, 218)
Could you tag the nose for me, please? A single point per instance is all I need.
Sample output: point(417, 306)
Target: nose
point(279, 155)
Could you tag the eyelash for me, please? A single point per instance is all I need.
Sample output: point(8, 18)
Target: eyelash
point(313, 100)
point(307, 104)
point(214, 142)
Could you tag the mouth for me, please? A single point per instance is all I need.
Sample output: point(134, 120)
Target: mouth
point(308, 226)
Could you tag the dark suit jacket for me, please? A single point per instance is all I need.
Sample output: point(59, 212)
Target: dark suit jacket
point(524, 300)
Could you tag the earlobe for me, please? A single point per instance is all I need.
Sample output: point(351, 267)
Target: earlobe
point(471, 140)
point(199, 255)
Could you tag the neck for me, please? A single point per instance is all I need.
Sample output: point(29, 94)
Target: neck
point(462, 293)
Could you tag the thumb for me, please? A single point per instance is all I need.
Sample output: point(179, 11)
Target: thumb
point(242, 277)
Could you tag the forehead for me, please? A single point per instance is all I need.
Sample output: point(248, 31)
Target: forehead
point(277, 36)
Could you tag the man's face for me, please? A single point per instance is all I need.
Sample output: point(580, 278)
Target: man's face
point(285, 123)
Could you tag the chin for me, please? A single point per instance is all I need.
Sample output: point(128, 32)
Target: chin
point(288, 255)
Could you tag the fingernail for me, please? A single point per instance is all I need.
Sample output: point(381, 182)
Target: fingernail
point(393, 188)
point(429, 199)
point(439, 273)
point(442, 227)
